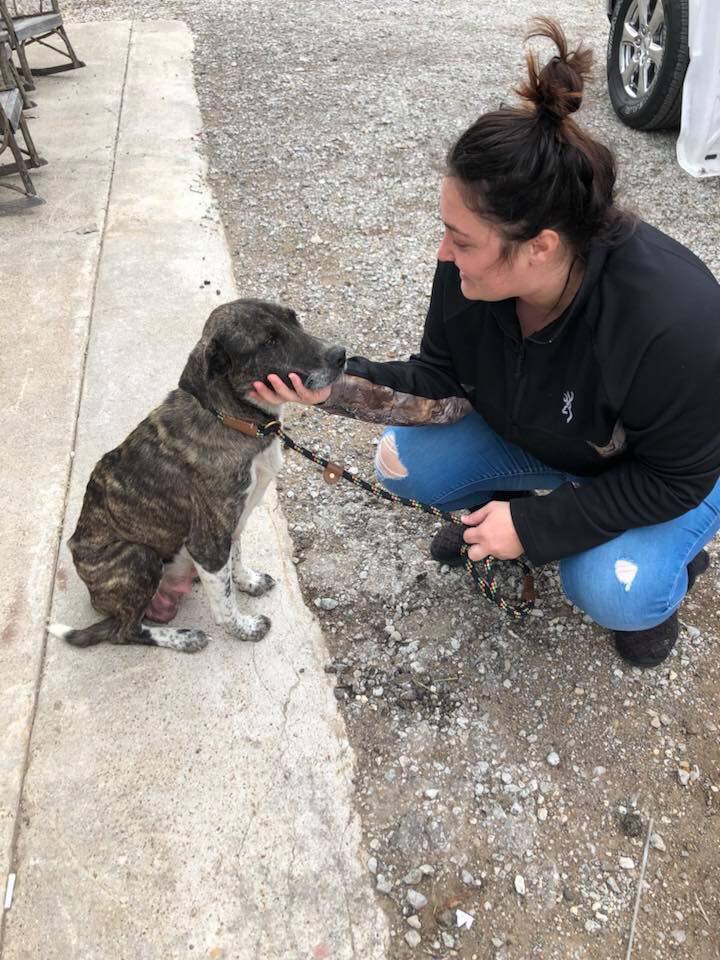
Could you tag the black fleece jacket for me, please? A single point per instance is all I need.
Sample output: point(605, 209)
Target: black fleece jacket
point(623, 388)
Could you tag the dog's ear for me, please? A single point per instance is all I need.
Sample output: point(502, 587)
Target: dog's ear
point(217, 359)
point(193, 377)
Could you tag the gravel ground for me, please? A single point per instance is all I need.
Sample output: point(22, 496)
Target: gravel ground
point(508, 772)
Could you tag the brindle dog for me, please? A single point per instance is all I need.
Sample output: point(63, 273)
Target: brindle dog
point(171, 501)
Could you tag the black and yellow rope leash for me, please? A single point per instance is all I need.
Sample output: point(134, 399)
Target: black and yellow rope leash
point(333, 473)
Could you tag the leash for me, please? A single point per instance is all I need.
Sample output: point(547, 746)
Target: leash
point(334, 472)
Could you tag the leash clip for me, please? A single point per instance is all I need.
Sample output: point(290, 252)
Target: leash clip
point(273, 426)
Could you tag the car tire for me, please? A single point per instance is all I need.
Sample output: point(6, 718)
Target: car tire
point(646, 63)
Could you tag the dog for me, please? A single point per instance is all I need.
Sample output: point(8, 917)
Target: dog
point(170, 502)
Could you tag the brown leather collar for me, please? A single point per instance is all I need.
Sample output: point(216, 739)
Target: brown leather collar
point(250, 429)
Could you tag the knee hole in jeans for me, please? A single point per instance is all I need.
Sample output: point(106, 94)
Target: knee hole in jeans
point(387, 459)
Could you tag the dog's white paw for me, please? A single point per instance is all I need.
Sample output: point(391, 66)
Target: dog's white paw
point(180, 639)
point(252, 583)
point(249, 628)
point(190, 641)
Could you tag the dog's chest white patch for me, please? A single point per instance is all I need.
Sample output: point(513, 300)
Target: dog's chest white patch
point(264, 468)
point(270, 459)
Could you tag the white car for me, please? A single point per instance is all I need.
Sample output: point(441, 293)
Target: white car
point(663, 71)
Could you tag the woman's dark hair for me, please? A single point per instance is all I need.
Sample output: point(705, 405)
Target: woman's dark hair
point(531, 167)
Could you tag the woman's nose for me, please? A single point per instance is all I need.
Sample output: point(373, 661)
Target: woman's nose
point(445, 249)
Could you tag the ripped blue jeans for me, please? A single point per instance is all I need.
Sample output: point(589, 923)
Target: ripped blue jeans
point(632, 582)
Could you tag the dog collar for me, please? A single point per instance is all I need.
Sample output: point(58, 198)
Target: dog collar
point(250, 429)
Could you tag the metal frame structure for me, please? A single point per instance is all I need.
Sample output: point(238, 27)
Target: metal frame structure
point(12, 121)
point(20, 29)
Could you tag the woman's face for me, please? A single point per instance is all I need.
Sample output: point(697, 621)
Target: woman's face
point(475, 247)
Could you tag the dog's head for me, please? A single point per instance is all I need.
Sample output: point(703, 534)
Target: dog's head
point(246, 340)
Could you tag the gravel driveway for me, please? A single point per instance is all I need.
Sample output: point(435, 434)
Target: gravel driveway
point(506, 771)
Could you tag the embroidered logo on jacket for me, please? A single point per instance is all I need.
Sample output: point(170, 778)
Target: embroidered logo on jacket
point(568, 398)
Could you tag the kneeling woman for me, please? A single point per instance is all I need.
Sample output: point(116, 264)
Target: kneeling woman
point(568, 346)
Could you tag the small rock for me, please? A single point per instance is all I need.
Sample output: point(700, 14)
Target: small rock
point(432, 793)
point(464, 920)
point(414, 922)
point(592, 926)
point(683, 776)
point(412, 877)
point(679, 936)
point(413, 938)
point(657, 843)
point(542, 814)
point(627, 863)
point(383, 885)
point(506, 777)
point(613, 884)
point(326, 603)
point(416, 899)
point(553, 759)
point(520, 885)
point(467, 878)
point(372, 865)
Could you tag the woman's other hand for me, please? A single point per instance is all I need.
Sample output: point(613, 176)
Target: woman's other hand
point(279, 392)
point(491, 533)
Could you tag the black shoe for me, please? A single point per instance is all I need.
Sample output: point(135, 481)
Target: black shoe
point(446, 546)
point(697, 565)
point(648, 648)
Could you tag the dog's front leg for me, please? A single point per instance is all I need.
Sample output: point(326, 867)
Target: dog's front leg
point(219, 589)
point(245, 579)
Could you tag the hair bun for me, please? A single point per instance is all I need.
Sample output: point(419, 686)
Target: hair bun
point(556, 89)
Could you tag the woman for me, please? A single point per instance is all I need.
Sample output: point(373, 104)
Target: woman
point(568, 346)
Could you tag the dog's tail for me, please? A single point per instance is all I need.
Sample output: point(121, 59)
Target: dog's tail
point(88, 637)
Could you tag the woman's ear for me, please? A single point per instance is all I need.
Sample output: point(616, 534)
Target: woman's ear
point(544, 246)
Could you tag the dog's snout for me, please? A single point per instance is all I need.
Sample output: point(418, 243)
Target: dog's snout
point(336, 357)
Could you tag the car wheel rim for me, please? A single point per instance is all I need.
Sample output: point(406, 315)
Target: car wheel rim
point(642, 46)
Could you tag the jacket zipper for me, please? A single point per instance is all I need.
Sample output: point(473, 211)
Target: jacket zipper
point(519, 383)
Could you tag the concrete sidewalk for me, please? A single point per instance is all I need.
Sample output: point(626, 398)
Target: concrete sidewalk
point(151, 804)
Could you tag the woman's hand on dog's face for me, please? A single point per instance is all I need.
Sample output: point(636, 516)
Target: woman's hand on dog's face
point(281, 393)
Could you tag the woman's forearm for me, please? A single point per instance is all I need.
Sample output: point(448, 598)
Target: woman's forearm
point(359, 399)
